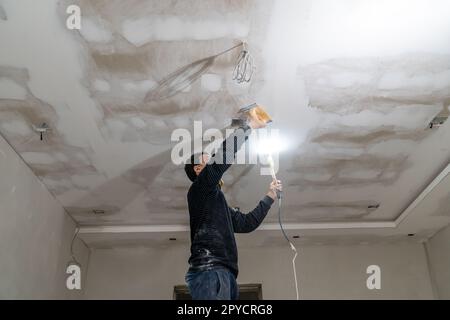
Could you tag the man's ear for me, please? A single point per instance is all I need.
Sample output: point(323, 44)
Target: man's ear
point(197, 169)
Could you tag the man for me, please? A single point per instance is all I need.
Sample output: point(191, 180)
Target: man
point(213, 261)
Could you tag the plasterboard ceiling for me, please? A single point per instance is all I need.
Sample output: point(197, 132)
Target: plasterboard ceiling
point(352, 85)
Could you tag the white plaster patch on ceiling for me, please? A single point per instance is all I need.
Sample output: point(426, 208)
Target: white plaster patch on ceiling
point(331, 151)
point(165, 198)
point(87, 181)
point(392, 147)
point(38, 158)
point(187, 89)
point(11, 90)
point(116, 128)
point(400, 80)
point(82, 157)
point(177, 28)
point(211, 82)
point(142, 86)
point(359, 174)
point(317, 175)
point(138, 122)
point(61, 157)
point(94, 29)
point(101, 85)
point(161, 180)
point(57, 186)
point(159, 123)
point(16, 127)
point(208, 120)
point(413, 116)
point(61, 69)
point(429, 85)
point(347, 79)
point(181, 122)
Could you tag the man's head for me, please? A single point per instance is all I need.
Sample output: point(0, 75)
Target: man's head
point(195, 165)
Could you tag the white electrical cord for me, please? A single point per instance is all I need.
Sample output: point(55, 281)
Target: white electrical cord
point(294, 250)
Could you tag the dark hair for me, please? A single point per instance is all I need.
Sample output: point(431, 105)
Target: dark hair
point(190, 164)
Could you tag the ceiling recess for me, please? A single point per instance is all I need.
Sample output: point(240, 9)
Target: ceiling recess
point(41, 129)
point(440, 119)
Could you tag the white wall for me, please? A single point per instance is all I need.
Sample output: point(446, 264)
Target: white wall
point(439, 257)
point(325, 272)
point(35, 235)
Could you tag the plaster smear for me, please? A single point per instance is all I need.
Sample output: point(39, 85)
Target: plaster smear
point(116, 128)
point(141, 86)
point(57, 186)
point(101, 85)
point(211, 82)
point(405, 117)
point(37, 158)
point(392, 147)
point(348, 79)
point(16, 127)
point(87, 181)
point(11, 90)
point(165, 198)
point(359, 174)
point(138, 123)
point(317, 175)
point(181, 122)
point(61, 157)
point(61, 69)
point(173, 28)
point(95, 30)
point(401, 80)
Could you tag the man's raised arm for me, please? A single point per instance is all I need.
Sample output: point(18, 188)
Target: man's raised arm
point(224, 157)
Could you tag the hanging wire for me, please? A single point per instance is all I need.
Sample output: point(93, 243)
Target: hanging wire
point(280, 197)
point(243, 71)
point(182, 78)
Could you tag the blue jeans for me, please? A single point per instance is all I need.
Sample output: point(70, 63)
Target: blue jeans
point(216, 284)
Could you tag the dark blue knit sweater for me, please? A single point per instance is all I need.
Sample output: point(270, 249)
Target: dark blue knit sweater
point(213, 223)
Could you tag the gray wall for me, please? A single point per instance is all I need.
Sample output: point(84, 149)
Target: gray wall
point(439, 257)
point(325, 272)
point(35, 235)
